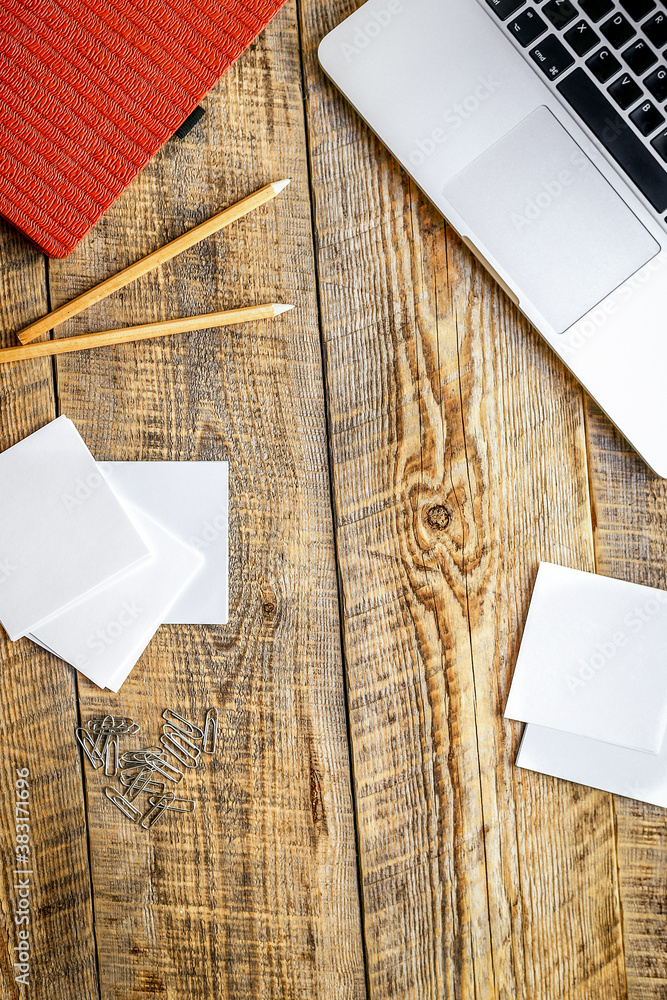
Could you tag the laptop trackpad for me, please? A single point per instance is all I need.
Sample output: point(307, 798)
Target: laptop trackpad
point(551, 220)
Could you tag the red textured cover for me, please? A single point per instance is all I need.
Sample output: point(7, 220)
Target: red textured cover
point(90, 90)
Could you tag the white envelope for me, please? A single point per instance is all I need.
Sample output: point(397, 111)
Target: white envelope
point(632, 773)
point(190, 499)
point(593, 659)
point(104, 635)
point(62, 530)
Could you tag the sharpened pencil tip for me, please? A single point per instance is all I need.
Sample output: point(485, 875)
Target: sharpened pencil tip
point(279, 186)
point(278, 308)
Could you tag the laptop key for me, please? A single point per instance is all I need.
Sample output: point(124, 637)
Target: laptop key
point(660, 144)
point(638, 9)
point(640, 57)
point(616, 136)
point(560, 12)
point(617, 30)
point(596, 9)
point(505, 8)
point(527, 27)
point(655, 29)
point(603, 65)
point(625, 91)
point(656, 84)
point(582, 38)
point(647, 118)
point(552, 57)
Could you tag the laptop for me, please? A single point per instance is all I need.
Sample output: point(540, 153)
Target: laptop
point(539, 129)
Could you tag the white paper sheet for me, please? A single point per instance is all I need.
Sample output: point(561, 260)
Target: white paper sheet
point(632, 773)
point(62, 530)
point(593, 659)
point(190, 499)
point(104, 635)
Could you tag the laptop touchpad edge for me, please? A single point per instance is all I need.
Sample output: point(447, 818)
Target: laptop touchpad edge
point(551, 219)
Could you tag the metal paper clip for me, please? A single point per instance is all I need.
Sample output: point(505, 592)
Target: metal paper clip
point(139, 782)
point(210, 731)
point(167, 769)
point(184, 805)
point(87, 744)
point(103, 733)
point(156, 787)
point(141, 756)
point(173, 732)
point(186, 728)
point(111, 756)
point(181, 753)
point(122, 726)
point(125, 807)
point(153, 814)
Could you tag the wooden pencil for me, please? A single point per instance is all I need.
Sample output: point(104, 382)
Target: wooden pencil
point(153, 260)
point(147, 331)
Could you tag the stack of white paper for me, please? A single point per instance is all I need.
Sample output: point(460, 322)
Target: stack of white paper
point(94, 559)
point(591, 682)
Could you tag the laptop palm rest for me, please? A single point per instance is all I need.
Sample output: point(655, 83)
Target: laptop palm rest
point(537, 205)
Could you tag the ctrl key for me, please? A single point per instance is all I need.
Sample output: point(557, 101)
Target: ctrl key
point(552, 57)
point(660, 144)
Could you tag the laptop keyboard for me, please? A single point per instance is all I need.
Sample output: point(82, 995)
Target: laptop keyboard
point(608, 61)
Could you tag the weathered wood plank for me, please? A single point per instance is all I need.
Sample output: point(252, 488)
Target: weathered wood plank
point(459, 461)
point(256, 895)
point(37, 714)
point(630, 507)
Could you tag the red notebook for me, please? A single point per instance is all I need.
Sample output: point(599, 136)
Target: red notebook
point(90, 90)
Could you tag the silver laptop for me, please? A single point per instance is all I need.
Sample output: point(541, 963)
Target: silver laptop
point(539, 130)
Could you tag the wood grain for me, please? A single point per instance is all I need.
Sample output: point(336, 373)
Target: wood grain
point(630, 508)
point(256, 894)
point(38, 711)
point(145, 331)
point(458, 452)
point(152, 260)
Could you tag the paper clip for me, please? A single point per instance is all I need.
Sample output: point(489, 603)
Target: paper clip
point(188, 805)
point(141, 756)
point(153, 814)
point(187, 728)
point(167, 769)
point(125, 807)
point(87, 744)
point(111, 756)
point(181, 753)
point(210, 731)
point(127, 779)
point(139, 782)
point(103, 732)
point(122, 726)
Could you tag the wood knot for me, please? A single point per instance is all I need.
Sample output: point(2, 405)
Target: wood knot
point(438, 517)
point(269, 609)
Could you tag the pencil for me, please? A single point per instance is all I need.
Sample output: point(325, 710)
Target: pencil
point(165, 328)
point(153, 260)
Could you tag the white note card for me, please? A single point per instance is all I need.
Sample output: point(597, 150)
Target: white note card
point(189, 499)
point(632, 773)
point(104, 634)
point(593, 659)
point(63, 532)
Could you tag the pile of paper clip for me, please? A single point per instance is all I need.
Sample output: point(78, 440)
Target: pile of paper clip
point(138, 770)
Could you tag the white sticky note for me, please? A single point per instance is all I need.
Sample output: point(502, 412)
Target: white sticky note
point(632, 773)
point(190, 499)
point(104, 634)
point(593, 659)
point(63, 532)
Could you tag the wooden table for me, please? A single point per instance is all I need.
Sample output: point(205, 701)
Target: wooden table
point(403, 451)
